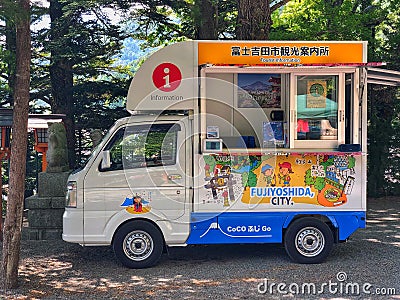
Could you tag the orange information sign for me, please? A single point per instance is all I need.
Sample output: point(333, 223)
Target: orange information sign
point(280, 53)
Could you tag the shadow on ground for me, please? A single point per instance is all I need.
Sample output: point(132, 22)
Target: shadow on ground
point(58, 270)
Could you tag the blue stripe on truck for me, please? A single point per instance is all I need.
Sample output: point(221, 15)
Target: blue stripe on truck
point(262, 227)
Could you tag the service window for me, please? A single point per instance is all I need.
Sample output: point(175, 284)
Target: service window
point(245, 103)
point(317, 107)
point(143, 146)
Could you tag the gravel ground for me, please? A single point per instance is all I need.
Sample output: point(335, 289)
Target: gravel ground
point(370, 261)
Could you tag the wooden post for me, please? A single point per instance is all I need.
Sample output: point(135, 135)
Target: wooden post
point(44, 161)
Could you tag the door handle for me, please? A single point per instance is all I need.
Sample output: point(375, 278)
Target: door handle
point(341, 116)
point(174, 176)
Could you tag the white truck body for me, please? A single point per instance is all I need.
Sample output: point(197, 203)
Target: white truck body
point(197, 164)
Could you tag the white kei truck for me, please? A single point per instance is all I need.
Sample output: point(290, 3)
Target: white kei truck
point(232, 142)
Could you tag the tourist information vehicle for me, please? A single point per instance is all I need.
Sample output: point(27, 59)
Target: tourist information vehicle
point(232, 142)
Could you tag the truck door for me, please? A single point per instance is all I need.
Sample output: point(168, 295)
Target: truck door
point(146, 176)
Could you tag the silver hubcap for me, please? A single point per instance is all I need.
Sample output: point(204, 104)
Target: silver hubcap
point(138, 245)
point(310, 241)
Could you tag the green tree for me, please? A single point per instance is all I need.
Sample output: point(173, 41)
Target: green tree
point(254, 18)
point(76, 75)
point(252, 180)
point(7, 53)
point(163, 22)
point(210, 161)
point(245, 180)
point(376, 22)
point(308, 179)
point(323, 20)
point(352, 162)
point(384, 107)
point(319, 183)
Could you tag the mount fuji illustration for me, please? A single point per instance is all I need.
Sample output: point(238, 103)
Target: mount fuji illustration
point(256, 86)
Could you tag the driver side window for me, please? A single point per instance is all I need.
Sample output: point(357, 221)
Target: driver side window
point(143, 146)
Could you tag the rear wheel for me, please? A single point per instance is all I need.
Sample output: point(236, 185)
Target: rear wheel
point(138, 244)
point(308, 241)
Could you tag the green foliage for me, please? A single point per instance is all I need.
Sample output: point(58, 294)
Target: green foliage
point(308, 179)
point(352, 162)
point(210, 160)
point(75, 71)
point(392, 172)
point(328, 162)
point(321, 20)
point(252, 180)
point(5, 91)
point(9, 11)
point(381, 142)
point(319, 183)
point(245, 179)
point(376, 22)
point(255, 162)
point(165, 22)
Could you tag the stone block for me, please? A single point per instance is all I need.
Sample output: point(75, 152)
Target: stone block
point(45, 218)
point(36, 234)
point(51, 234)
point(52, 184)
point(58, 202)
point(30, 234)
point(35, 202)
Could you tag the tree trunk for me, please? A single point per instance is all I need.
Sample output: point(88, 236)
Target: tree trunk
point(208, 20)
point(254, 20)
point(61, 77)
point(13, 222)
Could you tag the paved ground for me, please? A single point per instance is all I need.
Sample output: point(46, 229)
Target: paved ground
point(370, 261)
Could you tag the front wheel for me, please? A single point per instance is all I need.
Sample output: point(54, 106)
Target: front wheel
point(308, 241)
point(138, 244)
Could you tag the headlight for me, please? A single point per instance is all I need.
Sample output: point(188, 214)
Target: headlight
point(71, 198)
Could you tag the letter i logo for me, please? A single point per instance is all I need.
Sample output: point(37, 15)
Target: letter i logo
point(167, 77)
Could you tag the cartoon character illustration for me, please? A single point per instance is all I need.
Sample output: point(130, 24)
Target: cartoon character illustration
point(269, 175)
point(222, 181)
point(225, 195)
point(207, 171)
point(225, 171)
point(213, 186)
point(136, 205)
point(285, 169)
point(226, 174)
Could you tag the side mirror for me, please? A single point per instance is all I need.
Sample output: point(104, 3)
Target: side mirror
point(106, 160)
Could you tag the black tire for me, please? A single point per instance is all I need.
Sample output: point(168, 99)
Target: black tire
point(308, 241)
point(138, 244)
